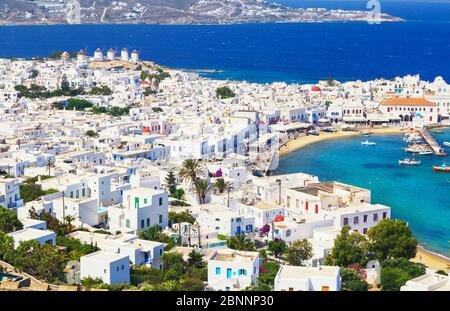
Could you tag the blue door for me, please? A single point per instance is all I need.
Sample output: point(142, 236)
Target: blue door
point(229, 273)
point(238, 230)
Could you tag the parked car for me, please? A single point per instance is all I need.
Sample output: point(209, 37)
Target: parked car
point(329, 130)
point(313, 132)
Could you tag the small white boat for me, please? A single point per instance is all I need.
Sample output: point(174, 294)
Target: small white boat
point(366, 133)
point(446, 143)
point(408, 161)
point(426, 152)
point(368, 143)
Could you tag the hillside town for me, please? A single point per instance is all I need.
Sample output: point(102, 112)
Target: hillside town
point(120, 173)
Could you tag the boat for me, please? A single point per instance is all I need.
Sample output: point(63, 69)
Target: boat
point(437, 131)
point(365, 133)
point(427, 152)
point(408, 161)
point(368, 143)
point(418, 148)
point(446, 143)
point(441, 168)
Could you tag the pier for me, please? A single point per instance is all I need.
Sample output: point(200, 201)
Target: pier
point(437, 149)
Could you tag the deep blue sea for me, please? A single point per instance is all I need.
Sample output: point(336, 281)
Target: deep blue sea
point(417, 194)
point(302, 53)
point(269, 52)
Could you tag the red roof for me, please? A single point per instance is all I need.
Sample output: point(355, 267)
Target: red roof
point(402, 101)
point(279, 218)
point(315, 88)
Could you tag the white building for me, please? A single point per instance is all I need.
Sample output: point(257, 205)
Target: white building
point(111, 268)
point(230, 270)
point(142, 208)
point(428, 282)
point(407, 108)
point(296, 278)
point(10, 193)
point(28, 234)
point(140, 252)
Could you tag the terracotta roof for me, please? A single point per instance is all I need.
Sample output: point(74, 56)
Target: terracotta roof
point(401, 101)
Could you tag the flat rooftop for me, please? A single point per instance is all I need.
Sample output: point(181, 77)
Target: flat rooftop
point(263, 205)
point(30, 234)
point(329, 187)
point(231, 255)
point(104, 256)
point(299, 272)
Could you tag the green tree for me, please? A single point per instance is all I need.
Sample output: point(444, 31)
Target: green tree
point(352, 281)
point(392, 239)
point(202, 187)
point(277, 247)
point(101, 90)
point(34, 73)
point(91, 133)
point(241, 243)
point(299, 251)
point(192, 284)
point(171, 183)
point(224, 92)
point(174, 265)
point(267, 274)
point(74, 248)
point(175, 218)
point(9, 221)
point(195, 260)
point(349, 248)
point(179, 194)
point(6, 247)
point(69, 219)
point(221, 185)
point(395, 273)
point(30, 192)
point(65, 85)
point(155, 233)
point(41, 261)
point(191, 170)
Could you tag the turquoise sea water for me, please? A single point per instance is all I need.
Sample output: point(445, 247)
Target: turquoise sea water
point(416, 194)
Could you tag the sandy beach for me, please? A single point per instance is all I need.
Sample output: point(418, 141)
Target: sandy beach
point(303, 141)
point(432, 260)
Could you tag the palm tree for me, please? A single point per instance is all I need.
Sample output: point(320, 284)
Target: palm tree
point(221, 185)
point(241, 243)
point(69, 219)
point(202, 186)
point(190, 172)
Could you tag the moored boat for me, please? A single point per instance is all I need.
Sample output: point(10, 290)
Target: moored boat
point(408, 161)
point(441, 168)
point(438, 131)
point(446, 143)
point(426, 152)
point(368, 143)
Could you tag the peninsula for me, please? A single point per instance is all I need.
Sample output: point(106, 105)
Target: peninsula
point(45, 12)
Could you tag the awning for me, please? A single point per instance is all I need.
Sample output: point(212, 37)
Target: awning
point(354, 119)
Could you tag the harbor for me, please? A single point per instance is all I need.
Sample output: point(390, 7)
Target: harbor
point(434, 145)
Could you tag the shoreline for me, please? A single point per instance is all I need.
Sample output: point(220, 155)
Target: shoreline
point(303, 141)
point(431, 259)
